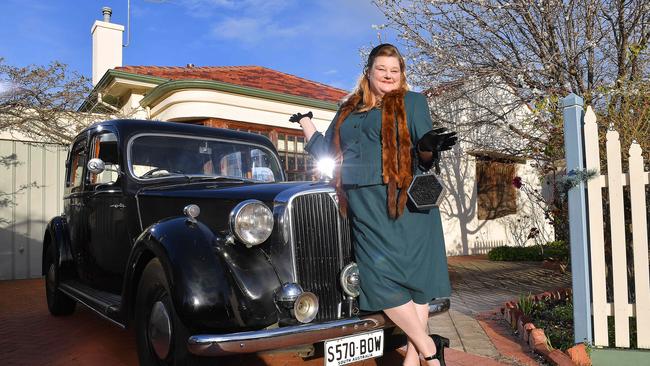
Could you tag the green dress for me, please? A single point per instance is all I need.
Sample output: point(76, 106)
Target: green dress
point(399, 260)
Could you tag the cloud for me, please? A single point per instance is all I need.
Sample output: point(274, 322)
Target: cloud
point(252, 30)
point(331, 72)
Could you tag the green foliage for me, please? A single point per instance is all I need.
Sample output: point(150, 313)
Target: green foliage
point(505, 253)
point(526, 303)
point(556, 318)
point(557, 250)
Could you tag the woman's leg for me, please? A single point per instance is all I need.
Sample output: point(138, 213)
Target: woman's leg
point(406, 317)
point(412, 356)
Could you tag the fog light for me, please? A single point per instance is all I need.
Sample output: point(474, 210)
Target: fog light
point(287, 294)
point(350, 281)
point(306, 307)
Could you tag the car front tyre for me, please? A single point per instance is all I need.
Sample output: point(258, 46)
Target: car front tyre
point(161, 337)
point(58, 303)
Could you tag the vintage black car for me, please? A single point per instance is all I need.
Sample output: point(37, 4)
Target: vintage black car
point(193, 236)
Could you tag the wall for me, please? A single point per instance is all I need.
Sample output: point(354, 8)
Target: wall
point(32, 190)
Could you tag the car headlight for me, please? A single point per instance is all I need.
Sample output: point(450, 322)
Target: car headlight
point(251, 222)
point(350, 280)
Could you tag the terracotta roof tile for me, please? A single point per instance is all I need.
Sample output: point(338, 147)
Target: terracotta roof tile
point(251, 76)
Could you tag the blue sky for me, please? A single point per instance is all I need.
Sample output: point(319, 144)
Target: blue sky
point(318, 40)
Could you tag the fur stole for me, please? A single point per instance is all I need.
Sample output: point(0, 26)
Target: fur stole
point(395, 151)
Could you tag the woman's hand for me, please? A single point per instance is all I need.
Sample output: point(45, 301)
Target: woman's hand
point(298, 116)
point(436, 140)
point(432, 143)
point(305, 122)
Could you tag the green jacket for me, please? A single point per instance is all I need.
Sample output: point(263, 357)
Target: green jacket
point(361, 140)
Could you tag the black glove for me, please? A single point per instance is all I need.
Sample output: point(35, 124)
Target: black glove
point(436, 140)
point(298, 116)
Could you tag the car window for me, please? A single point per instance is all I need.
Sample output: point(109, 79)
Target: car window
point(104, 146)
point(76, 166)
point(159, 156)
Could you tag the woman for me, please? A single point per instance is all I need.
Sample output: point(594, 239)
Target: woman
point(399, 250)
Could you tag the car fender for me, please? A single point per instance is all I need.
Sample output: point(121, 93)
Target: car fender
point(57, 233)
point(210, 285)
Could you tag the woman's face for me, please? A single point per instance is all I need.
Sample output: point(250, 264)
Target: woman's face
point(384, 75)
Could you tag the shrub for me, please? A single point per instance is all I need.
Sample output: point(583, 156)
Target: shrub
point(557, 250)
point(505, 253)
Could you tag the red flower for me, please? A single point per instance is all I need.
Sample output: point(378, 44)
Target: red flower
point(516, 181)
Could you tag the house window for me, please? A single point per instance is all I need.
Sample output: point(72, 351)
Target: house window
point(290, 144)
point(296, 161)
point(497, 196)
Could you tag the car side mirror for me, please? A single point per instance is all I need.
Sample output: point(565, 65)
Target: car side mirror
point(97, 166)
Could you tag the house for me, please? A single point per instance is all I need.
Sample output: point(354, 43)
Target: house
point(495, 196)
point(483, 208)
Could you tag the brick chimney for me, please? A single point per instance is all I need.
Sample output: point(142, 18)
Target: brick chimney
point(107, 45)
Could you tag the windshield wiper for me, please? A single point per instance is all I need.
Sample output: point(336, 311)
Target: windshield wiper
point(197, 178)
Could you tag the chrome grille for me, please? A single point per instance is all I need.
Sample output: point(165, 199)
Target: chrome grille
point(322, 246)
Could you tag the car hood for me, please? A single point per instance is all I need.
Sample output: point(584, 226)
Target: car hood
point(215, 199)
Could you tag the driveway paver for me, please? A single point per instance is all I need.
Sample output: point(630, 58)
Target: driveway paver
point(29, 335)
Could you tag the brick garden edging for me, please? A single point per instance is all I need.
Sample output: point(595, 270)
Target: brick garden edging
point(535, 337)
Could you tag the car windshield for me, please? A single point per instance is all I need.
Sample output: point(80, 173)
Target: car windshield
point(158, 156)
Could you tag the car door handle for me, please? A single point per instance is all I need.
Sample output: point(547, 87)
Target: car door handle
point(118, 205)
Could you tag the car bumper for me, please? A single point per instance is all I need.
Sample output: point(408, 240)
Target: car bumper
point(284, 337)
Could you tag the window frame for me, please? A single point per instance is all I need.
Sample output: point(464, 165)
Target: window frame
point(78, 148)
point(91, 151)
point(129, 148)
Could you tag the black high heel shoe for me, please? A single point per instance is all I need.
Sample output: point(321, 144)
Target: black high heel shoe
point(440, 342)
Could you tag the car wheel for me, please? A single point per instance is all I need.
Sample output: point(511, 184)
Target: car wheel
point(58, 303)
point(161, 337)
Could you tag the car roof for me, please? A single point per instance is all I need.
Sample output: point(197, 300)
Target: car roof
point(127, 127)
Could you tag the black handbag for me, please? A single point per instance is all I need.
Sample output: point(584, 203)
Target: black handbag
point(426, 191)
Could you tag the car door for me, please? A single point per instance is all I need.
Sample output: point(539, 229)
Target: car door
point(73, 207)
point(109, 242)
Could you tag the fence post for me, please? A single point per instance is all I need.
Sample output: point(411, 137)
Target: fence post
point(573, 147)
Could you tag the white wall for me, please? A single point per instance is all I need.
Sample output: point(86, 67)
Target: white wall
point(464, 232)
point(199, 103)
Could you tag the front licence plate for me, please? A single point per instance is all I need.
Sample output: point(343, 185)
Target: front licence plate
point(342, 351)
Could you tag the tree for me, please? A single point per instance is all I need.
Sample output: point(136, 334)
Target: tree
point(497, 69)
point(40, 102)
point(533, 51)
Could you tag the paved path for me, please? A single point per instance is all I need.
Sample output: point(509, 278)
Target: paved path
point(30, 336)
point(480, 286)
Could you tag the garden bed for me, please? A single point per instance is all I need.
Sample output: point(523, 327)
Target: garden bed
point(545, 323)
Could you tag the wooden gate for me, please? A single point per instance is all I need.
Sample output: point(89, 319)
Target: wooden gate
point(621, 189)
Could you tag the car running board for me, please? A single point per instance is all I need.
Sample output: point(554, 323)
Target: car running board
point(104, 303)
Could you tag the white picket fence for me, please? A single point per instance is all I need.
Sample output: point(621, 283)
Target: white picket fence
point(636, 179)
